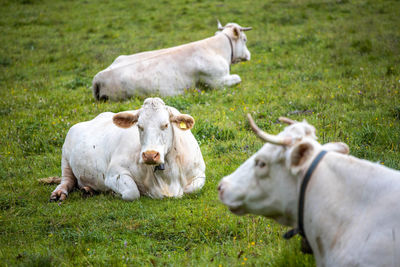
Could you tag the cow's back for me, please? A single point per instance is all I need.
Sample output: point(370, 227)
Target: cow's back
point(90, 146)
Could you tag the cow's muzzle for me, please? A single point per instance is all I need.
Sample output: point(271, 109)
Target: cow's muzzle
point(236, 205)
point(151, 157)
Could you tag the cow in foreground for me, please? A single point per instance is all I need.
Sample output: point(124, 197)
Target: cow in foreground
point(350, 211)
point(172, 70)
point(150, 151)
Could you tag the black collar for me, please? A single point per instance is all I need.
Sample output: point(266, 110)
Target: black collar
point(160, 167)
point(230, 42)
point(303, 187)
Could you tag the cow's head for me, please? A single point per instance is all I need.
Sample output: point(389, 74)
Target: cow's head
point(156, 123)
point(268, 182)
point(236, 33)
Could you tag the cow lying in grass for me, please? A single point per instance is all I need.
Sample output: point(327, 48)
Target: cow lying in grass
point(348, 211)
point(169, 71)
point(150, 151)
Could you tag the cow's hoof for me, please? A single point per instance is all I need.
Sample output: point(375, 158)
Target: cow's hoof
point(87, 191)
point(58, 195)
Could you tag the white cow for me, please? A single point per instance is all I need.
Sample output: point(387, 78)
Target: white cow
point(351, 214)
point(150, 151)
point(172, 70)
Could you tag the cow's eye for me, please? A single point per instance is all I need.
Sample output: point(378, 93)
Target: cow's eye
point(261, 168)
point(164, 126)
point(260, 163)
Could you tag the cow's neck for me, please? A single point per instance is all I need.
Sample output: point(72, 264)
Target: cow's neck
point(340, 190)
point(231, 46)
point(165, 182)
point(222, 46)
point(172, 173)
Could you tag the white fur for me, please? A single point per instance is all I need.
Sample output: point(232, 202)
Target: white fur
point(172, 70)
point(351, 214)
point(106, 157)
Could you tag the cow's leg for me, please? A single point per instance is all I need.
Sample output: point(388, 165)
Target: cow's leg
point(230, 80)
point(122, 183)
point(87, 191)
point(225, 81)
point(196, 184)
point(68, 182)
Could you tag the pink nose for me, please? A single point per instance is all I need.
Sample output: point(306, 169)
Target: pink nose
point(151, 157)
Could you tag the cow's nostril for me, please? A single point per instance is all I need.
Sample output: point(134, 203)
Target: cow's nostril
point(151, 157)
point(219, 187)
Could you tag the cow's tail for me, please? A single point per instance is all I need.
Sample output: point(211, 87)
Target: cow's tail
point(96, 90)
point(50, 180)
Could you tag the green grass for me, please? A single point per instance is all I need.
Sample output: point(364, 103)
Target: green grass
point(334, 63)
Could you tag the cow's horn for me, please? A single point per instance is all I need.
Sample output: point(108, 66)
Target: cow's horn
point(243, 29)
point(220, 27)
point(287, 120)
point(273, 139)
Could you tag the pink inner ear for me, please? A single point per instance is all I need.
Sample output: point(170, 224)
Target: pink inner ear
point(300, 154)
point(125, 119)
point(236, 32)
point(183, 121)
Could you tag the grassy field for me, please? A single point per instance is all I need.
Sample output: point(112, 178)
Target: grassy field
point(334, 63)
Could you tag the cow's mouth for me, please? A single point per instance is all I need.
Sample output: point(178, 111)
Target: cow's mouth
point(151, 162)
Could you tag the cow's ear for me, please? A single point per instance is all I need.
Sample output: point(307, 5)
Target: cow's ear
point(337, 147)
point(183, 121)
point(125, 119)
point(236, 32)
point(301, 153)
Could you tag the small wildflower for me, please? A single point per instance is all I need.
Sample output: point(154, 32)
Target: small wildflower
point(245, 259)
point(253, 243)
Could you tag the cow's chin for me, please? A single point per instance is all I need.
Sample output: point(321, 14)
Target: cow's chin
point(238, 60)
point(151, 162)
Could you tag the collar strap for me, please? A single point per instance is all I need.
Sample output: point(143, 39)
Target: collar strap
point(230, 42)
point(303, 187)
